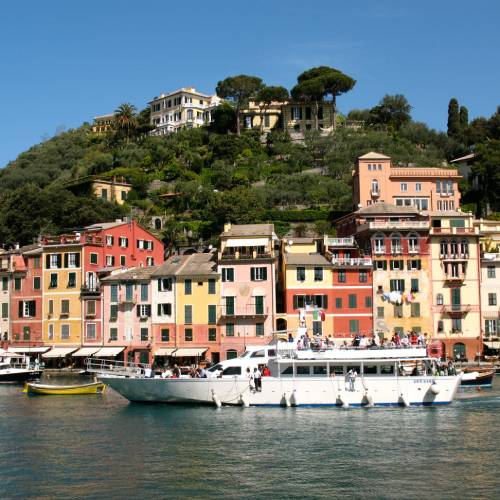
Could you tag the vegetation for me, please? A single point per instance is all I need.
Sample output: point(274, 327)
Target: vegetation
point(198, 179)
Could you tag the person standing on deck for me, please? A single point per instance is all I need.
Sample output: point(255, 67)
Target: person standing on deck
point(257, 376)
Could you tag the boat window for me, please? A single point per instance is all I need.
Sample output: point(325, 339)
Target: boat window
point(386, 369)
point(369, 369)
point(303, 370)
point(354, 368)
point(271, 352)
point(288, 370)
point(337, 370)
point(319, 370)
point(258, 354)
point(215, 368)
point(245, 354)
point(232, 370)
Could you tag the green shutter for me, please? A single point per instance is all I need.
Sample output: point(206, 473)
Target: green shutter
point(259, 304)
point(212, 314)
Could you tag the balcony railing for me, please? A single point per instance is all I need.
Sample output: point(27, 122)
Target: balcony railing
point(401, 224)
point(490, 256)
point(246, 255)
point(127, 299)
point(90, 289)
point(249, 310)
point(455, 309)
point(454, 230)
point(454, 256)
point(339, 242)
point(375, 192)
point(454, 277)
point(361, 261)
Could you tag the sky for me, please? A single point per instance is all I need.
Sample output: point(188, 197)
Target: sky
point(64, 62)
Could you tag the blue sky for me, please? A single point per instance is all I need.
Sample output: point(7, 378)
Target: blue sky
point(61, 62)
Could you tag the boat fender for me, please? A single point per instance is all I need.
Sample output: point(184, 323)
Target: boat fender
point(244, 401)
point(435, 388)
point(368, 398)
point(342, 401)
point(287, 399)
point(404, 401)
point(294, 399)
point(216, 399)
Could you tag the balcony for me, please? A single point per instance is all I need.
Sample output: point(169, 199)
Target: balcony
point(490, 256)
point(375, 193)
point(90, 290)
point(454, 256)
point(379, 251)
point(455, 230)
point(455, 309)
point(400, 224)
point(454, 278)
point(248, 311)
point(339, 242)
point(246, 255)
point(127, 299)
point(353, 262)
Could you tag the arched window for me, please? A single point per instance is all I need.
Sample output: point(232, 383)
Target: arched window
point(439, 299)
point(395, 243)
point(413, 245)
point(158, 224)
point(464, 247)
point(443, 248)
point(459, 352)
point(231, 354)
point(454, 247)
point(378, 243)
point(375, 187)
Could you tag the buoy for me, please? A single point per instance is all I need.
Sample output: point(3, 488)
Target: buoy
point(435, 388)
point(342, 401)
point(368, 398)
point(294, 399)
point(288, 402)
point(404, 401)
point(244, 401)
point(216, 399)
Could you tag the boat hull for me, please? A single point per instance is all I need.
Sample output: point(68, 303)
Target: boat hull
point(69, 390)
point(482, 379)
point(15, 375)
point(373, 391)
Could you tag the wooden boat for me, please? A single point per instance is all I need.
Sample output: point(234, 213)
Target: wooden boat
point(479, 377)
point(66, 390)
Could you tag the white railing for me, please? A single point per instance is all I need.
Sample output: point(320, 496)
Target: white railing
point(116, 368)
point(338, 242)
point(359, 261)
point(402, 224)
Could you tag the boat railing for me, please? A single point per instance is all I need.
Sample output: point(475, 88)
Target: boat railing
point(117, 368)
point(290, 350)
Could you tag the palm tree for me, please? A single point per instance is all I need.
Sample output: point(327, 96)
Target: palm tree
point(126, 120)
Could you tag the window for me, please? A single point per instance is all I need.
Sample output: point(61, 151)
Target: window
point(54, 261)
point(114, 293)
point(26, 332)
point(94, 258)
point(113, 333)
point(27, 309)
point(342, 276)
point(464, 247)
point(211, 286)
point(53, 280)
point(414, 265)
point(144, 310)
point(212, 334)
point(301, 274)
point(380, 312)
point(491, 271)
point(72, 260)
point(71, 280)
point(188, 287)
point(165, 335)
point(352, 301)
point(188, 314)
point(492, 299)
point(65, 332)
point(36, 262)
point(144, 292)
point(418, 187)
point(318, 274)
point(129, 292)
point(123, 242)
point(379, 244)
point(413, 246)
point(354, 326)
point(50, 332)
point(363, 276)
point(375, 187)
point(65, 306)
point(397, 285)
point(397, 265)
point(110, 260)
point(321, 301)
point(414, 285)
point(380, 265)
point(123, 261)
point(150, 261)
point(144, 334)
point(317, 328)
point(456, 325)
point(228, 274)
point(404, 187)
point(258, 274)
point(439, 299)
point(259, 329)
point(398, 311)
point(440, 326)
point(17, 284)
point(90, 307)
point(395, 243)
point(415, 310)
point(212, 314)
point(90, 331)
point(368, 301)
point(109, 240)
point(164, 309)
point(36, 283)
point(51, 307)
point(229, 303)
point(165, 284)
point(491, 327)
point(338, 303)
point(5, 310)
point(5, 283)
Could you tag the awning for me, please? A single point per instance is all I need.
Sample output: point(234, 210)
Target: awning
point(83, 352)
point(190, 351)
point(108, 352)
point(492, 345)
point(59, 352)
point(247, 242)
point(165, 351)
point(28, 350)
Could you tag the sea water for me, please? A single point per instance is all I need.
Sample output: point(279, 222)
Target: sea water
point(104, 447)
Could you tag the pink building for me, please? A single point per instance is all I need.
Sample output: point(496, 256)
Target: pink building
point(375, 179)
point(247, 268)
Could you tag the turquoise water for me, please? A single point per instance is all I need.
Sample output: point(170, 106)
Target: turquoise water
point(104, 447)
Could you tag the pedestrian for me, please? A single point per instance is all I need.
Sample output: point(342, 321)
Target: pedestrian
point(352, 379)
point(257, 376)
point(176, 372)
point(251, 380)
point(266, 372)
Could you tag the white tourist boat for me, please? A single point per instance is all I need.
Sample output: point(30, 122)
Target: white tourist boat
point(332, 377)
point(17, 368)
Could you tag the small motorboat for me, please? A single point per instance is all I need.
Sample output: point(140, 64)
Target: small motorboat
point(17, 368)
point(477, 377)
point(65, 390)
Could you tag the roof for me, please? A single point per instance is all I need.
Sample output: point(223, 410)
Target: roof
point(386, 208)
point(133, 274)
point(447, 213)
point(463, 158)
point(23, 249)
point(299, 240)
point(170, 266)
point(372, 155)
point(198, 264)
point(104, 225)
point(306, 259)
point(250, 230)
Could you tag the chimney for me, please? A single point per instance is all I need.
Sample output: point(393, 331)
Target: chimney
point(227, 227)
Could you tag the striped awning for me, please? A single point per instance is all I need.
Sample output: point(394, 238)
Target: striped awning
point(492, 345)
point(190, 351)
point(108, 352)
point(165, 351)
point(59, 352)
point(28, 350)
point(83, 352)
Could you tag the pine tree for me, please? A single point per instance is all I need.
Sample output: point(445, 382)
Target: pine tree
point(464, 118)
point(453, 118)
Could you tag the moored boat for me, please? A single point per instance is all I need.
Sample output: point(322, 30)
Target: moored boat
point(477, 377)
point(17, 368)
point(66, 390)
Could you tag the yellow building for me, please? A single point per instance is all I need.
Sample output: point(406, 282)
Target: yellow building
point(261, 116)
point(62, 281)
point(302, 117)
point(455, 275)
point(116, 190)
point(103, 123)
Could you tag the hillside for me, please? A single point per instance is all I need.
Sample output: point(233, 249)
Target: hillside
point(211, 177)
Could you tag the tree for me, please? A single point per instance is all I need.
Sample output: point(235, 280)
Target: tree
point(392, 110)
point(486, 169)
point(239, 89)
point(266, 96)
point(311, 91)
point(125, 120)
point(453, 118)
point(464, 118)
point(334, 81)
point(223, 119)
